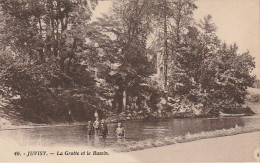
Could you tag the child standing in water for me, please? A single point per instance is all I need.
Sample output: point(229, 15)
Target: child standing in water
point(96, 126)
point(90, 129)
point(103, 129)
point(120, 131)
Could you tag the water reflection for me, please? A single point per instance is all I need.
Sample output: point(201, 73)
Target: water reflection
point(135, 131)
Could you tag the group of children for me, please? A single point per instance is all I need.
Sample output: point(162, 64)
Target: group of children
point(99, 128)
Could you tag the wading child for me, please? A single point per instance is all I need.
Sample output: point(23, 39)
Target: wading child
point(90, 129)
point(120, 131)
point(96, 127)
point(103, 129)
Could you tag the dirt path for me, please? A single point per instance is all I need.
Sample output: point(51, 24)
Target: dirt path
point(230, 148)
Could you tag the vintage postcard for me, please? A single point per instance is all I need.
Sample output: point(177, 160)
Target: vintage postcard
point(129, 81)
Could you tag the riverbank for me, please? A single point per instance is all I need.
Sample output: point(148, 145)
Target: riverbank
point(234, 148)
point(168, 140)
point(40, 138)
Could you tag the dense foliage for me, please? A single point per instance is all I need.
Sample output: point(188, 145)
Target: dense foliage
point(47, 62)
point(54, 58)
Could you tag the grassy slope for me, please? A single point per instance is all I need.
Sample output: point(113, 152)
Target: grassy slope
point(223, 149)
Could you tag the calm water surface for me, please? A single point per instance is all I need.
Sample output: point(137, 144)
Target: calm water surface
point(135, 131)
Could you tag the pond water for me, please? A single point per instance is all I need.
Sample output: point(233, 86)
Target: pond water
point(135, 131)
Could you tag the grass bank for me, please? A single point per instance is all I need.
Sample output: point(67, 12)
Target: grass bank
point(151, 143)
point(236, 148)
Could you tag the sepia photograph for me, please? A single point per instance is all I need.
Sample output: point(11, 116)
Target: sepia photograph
point(129, 81)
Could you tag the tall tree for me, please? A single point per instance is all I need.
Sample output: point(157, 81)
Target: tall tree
point(207, 73)
point(53, 59)
point(172, 18)
point(130, 26)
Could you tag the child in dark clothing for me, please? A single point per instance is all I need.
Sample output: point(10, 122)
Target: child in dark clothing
point(103, 130)
point(90, 129)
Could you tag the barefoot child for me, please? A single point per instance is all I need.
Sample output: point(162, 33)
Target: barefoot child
point(96, 126)
point(103, 130)
point(120, 131)
point(90, 129)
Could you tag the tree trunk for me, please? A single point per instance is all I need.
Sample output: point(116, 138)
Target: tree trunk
point(124, 100)
point(165, 55)
point(121, 99)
